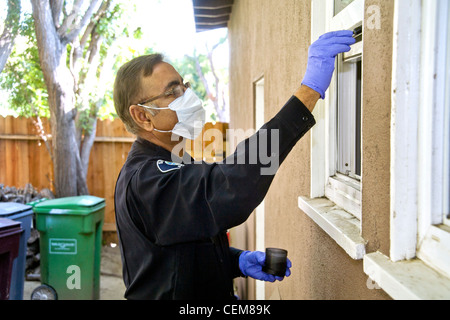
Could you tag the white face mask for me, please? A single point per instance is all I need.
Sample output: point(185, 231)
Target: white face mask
point(190, 113)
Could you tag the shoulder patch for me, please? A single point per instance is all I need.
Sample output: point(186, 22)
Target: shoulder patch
point(167, 166)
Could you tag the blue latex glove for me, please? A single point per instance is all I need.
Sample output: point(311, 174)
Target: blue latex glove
point(321, 59)
point(251, 264)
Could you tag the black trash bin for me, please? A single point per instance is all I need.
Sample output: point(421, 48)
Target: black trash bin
point(21, 213)
point(10, 232)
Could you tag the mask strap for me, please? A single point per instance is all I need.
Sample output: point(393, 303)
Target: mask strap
point(163, 131)
point(153, 108)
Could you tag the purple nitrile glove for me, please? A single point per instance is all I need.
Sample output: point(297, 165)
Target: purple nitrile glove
point(321, 59)
point(251, 264)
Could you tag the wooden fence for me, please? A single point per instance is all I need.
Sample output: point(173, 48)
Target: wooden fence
point(24, 157)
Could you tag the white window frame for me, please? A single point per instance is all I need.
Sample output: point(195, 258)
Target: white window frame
point(433, 234)
point(335, 200)
point(419, 156)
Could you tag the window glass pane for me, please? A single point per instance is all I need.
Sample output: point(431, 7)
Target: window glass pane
point(349, 118)
point(340, 5)
point(358, 120)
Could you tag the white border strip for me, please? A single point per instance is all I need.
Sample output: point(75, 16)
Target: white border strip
point(404, 126)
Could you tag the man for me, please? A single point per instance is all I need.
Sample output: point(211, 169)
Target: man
point(172, 217)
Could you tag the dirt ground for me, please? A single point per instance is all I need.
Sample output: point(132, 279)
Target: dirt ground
point(111, 283)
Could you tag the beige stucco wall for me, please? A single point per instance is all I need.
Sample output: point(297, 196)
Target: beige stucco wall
point(377, 66)
point(270, 38)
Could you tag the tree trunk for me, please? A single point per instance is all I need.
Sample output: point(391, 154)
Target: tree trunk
point(60, 87)
point(64, 154)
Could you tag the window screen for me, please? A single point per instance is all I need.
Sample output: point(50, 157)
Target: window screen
point(349, 114)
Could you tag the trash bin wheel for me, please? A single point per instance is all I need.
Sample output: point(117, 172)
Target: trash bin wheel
point(44, 292)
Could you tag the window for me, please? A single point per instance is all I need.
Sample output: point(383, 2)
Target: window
point(419, 263)
point(433, 141)
point(344, 185)
point(336, 165)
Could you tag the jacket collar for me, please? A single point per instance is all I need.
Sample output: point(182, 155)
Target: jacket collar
point(142, 146)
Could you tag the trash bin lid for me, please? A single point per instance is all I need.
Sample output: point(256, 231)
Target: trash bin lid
point(8, 224)
point(70, 205)
point(10, 208)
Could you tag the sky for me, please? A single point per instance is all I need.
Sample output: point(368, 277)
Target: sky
point(168, 27)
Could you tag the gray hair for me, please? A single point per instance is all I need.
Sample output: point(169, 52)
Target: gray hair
point(127, 87)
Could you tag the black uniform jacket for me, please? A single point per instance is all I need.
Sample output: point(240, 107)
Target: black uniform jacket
point(172, 218)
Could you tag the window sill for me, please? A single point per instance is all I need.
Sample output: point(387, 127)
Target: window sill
point(340, 225)
point(406, 280)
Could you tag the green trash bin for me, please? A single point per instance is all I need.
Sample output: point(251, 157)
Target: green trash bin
point(70, 242)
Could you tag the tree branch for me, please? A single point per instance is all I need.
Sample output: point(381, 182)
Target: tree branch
point(94, 43)
point(86, 145)
point(213, 70)
point(57, 7)
point(89, 31)
point(94, 21)
point(82, 188)
point(201, 75)
point(10, 31)
point(71, 35)
point(221, 111)
point(68, 19)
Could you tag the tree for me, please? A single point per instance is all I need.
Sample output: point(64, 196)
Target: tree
point(215, 92)
point(199, 69)
point(10, 31)
point(23, 80)
point(69, 40)
point(218, 97)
